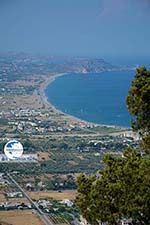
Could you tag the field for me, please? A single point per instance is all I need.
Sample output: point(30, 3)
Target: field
point(19, 218)
point(2, 198)
point(53, 194)
point(58, 219)
point(42, 156)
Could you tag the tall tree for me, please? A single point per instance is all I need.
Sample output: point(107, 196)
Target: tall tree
point(138, 102)
point(121, 192)
point(122, 189)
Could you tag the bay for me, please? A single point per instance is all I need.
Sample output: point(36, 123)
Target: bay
point(98, 98)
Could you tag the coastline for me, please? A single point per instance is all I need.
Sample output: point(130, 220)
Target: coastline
point(43, 88)
point(48, 104)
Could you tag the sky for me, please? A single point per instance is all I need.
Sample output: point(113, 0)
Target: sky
point(93, 28)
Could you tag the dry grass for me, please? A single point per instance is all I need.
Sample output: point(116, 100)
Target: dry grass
point(80, 157)
point(28, 101)
point(12, 200)
point(17, 200)
point(2, 197)
point(53, 194)
point(42, 156)
point(19, 218)
point(73, 163)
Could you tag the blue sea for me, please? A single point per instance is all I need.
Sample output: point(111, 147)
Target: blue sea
point(98, 98)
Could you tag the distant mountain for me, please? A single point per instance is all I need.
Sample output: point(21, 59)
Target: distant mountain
point(84, 65)
point(18, 65)
point(87, 65)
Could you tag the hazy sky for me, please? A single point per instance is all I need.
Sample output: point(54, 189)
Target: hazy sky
point(96, 28)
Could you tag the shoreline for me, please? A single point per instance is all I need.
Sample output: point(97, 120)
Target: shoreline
point(43, 88)
point(48, 104)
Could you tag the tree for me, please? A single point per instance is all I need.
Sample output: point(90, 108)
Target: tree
point(122, 189)
point(138, 102)
point(121, 192)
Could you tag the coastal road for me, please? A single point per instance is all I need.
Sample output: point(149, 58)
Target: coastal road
point(80, 135)
point(43, 216)
point(69, 135)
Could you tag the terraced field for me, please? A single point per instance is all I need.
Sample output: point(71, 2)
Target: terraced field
point(58, 219)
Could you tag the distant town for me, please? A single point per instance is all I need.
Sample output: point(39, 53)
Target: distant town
point(57, 147)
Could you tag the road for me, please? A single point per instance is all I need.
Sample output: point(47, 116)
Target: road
point(75, 135)
point(62, 135)
point(43, 216)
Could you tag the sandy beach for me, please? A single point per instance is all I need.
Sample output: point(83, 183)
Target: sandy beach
point(48, 104)
point(43, 87)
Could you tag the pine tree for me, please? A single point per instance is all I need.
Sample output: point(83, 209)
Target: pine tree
point(122, 189)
